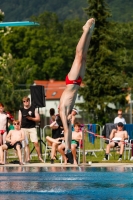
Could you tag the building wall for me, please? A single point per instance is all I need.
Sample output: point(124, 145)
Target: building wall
point(54, 104)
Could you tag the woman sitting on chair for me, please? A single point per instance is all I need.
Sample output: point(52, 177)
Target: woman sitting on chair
point(57, 132)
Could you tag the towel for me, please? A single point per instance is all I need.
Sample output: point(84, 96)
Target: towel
point(91, 136)
point(129, 129)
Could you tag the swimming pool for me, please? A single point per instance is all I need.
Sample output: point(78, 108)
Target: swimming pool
point(54, 183)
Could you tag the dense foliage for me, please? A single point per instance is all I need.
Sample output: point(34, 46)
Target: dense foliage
point(47, 51)
point(107, 72)
point(16, 10)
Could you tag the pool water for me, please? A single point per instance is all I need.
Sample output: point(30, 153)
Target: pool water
point(54, 183)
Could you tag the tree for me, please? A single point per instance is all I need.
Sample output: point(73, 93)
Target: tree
point(2, 31)
point(10, 78)
point(104, 80)
point(9, 75)
point(50, 48)
point(124, 32)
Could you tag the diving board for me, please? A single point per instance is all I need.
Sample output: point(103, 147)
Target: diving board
point(22, 23)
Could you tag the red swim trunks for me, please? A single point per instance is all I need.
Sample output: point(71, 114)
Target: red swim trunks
point(2, 132)
point(77, 82)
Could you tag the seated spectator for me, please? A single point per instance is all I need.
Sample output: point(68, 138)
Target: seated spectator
point(117, 138)
point(52, 114)
point(76, 137)
point(57, 129)
point(54, 144)
point(13, 140)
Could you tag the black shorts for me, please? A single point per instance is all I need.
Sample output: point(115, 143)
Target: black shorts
point(116, 143)
point(9, 146)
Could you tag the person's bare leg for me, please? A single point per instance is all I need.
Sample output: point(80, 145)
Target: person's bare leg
point(19, 153)
point(2, 148)
point(53, 150)
point(4, 137)
point(110, 145)
point(78, 67)
point(121, 144)
point(27, 153)
point(67, 130)
point(25, 148)
point(52, 140)
point(1, 139)
point(38, 151)
point(73, 148)
point(49, 143)
point(1, 155)
point(61, 151)
point(70, 133)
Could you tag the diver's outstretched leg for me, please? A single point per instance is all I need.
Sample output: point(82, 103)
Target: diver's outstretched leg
point(78, 66)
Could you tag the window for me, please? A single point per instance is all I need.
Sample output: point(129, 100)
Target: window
point(54, 93)
point(78, 97)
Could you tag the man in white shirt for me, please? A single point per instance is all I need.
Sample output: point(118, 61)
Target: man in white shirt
point(119, 118)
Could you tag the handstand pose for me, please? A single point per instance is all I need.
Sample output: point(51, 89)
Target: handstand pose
point(73, 81)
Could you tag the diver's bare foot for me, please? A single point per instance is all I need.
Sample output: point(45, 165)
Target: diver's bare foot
point(2, 163)
point(41, 159)
point(89, 26)
point(75, 162)
point(21, 163)
point(65, 162)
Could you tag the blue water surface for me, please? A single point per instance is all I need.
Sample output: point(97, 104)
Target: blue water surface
point(54, 183)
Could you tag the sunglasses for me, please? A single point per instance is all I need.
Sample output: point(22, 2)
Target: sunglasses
point(16, 123)
point(26, 101)
point(119, 114)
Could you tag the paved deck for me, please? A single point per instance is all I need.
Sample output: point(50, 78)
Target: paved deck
point(70, 165)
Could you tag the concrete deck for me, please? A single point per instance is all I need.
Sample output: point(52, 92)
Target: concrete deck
point(70, 165)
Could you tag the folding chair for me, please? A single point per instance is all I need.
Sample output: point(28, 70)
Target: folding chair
point(13, 153)
point(126, 148)
point(130, 149)
point(115, 149)
point(129, 143)
point(130, 155)
point(48, 152)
